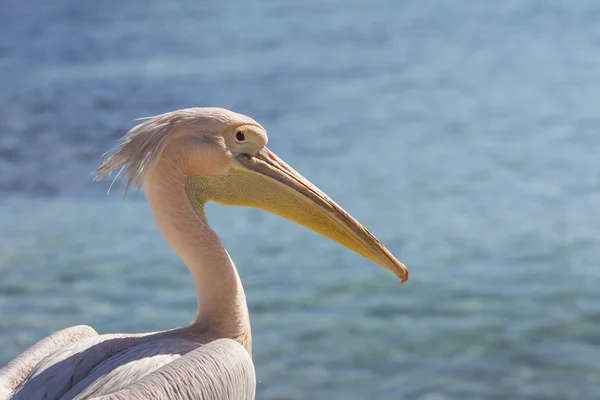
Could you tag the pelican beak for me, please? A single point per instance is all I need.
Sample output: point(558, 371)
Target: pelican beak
point(264, 181)
point(293, 197)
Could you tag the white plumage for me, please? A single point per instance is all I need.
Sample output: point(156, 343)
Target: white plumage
point(185, 159)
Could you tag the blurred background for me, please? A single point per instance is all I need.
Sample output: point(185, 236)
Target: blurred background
point(464, 134)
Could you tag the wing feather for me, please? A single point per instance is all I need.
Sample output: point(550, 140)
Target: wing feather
point(14, 373)
point(219, 370)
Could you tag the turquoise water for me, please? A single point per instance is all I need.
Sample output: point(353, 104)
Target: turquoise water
point(464, 135)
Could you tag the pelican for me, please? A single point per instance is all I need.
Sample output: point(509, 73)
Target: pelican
point(184, 159)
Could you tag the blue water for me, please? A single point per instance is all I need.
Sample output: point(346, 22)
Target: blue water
point(464, 134)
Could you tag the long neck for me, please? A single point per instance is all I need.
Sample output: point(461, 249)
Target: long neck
point(222, 308)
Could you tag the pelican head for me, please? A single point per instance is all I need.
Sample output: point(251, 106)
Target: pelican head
point(224, 159)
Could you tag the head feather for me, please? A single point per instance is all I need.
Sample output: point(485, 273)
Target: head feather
point(140, 149)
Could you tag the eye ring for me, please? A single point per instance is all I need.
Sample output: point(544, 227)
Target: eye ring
point(239, 136)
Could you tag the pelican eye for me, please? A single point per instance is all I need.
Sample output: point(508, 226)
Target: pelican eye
point(239, 136)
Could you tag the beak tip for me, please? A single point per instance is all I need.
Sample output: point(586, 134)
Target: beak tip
point(404, 277)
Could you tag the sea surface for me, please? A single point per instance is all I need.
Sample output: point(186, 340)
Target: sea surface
point(465, 134)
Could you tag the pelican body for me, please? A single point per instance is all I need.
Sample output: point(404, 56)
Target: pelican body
point(185, 159)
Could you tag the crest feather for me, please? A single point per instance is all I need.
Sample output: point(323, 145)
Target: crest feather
point(139, 150)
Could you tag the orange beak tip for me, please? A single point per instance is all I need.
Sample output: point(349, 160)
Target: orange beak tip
point(405, 277)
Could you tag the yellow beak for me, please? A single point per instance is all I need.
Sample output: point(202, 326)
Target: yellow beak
point(264, 181)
